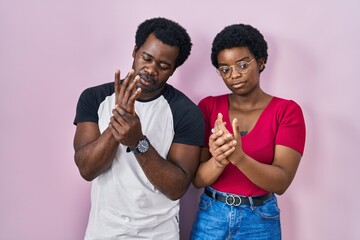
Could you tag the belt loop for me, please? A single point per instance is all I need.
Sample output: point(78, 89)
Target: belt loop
point(251, 203)
point(213, 193)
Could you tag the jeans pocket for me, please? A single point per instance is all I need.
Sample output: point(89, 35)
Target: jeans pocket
point(269, 210)
point(205, 202)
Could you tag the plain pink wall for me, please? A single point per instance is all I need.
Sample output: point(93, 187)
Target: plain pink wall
point(51, 50)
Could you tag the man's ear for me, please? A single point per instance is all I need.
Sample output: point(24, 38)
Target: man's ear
point(172, 72)
point(134, 51)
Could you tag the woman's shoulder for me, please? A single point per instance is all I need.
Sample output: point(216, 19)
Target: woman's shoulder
point(212, 99)
point(285, 107)
point(284, 103)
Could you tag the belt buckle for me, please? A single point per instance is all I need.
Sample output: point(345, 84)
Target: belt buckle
point(231, 200)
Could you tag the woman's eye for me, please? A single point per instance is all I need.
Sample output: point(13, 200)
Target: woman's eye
point(224, 70)
point(243, 65)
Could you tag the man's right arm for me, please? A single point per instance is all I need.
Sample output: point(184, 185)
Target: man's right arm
point(94, 152)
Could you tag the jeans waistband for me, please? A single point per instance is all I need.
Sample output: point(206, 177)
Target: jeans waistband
point(236, 200)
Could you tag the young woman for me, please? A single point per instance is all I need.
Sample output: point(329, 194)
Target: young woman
point(256, 141)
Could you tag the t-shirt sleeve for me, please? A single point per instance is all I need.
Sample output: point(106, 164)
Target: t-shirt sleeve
point(189, 123)
point(86, 109)
point(205, 107)
point(291, 130)
point(190, 129)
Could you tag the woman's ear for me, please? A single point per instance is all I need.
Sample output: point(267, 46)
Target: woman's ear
point(261, 64)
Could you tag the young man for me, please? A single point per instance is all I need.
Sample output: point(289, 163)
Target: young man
point(138, 140)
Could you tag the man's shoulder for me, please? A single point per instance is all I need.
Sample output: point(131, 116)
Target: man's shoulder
point(98, 93)
point(174, 96)
point(102, 88)
point(90, 100)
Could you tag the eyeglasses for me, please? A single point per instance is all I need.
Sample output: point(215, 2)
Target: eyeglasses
point(240, 67)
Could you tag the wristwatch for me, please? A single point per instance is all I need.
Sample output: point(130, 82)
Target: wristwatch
point(142, 146)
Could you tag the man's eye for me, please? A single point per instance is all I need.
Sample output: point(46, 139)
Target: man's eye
point(164, 67)
point(146, 58)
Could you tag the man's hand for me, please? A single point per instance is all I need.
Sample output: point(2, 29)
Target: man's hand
point(125, 125)
point(126, 93)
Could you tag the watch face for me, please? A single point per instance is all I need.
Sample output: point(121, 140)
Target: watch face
point(143, 145)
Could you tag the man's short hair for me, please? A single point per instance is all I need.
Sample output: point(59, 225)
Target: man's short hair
point(168, 32)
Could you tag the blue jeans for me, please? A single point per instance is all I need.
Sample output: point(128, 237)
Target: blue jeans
point(216, 220)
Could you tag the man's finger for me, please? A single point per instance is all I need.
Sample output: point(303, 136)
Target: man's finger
point(117, 85)
point(123, 87)
point(128, 101)
point(131, 102)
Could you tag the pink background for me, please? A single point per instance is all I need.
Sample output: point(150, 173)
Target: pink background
point(51, 50)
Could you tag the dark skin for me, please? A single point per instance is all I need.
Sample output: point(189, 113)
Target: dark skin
point(246, 104)
point(154, 63)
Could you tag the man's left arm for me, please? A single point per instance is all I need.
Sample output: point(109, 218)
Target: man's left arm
point(173, 176)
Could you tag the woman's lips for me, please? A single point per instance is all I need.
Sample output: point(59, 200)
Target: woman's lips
point(238, 84)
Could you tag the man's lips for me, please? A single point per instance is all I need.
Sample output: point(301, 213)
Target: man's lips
point(146, 80)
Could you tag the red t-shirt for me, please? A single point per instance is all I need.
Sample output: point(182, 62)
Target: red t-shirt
point(280, 123)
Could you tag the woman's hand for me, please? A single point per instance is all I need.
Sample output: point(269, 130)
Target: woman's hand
point(239, 154)
point(221, 142)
